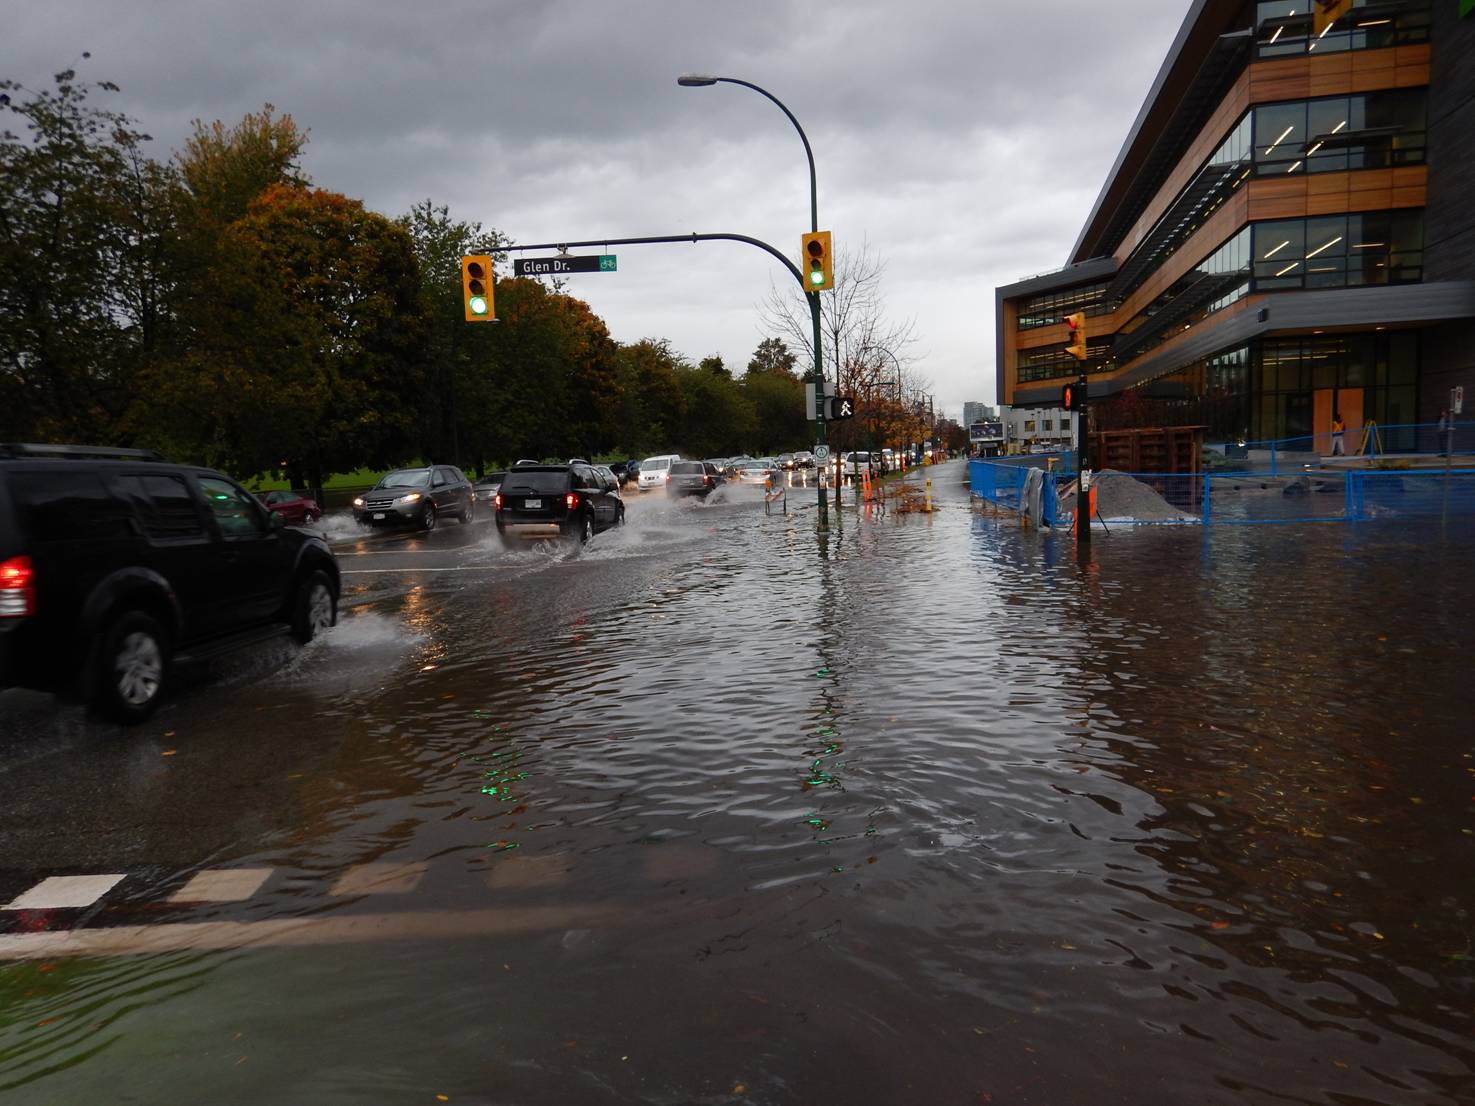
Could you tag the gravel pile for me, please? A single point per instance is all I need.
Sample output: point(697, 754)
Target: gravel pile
point(1119, 496)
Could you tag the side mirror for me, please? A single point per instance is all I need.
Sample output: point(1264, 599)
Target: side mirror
point(276, 521)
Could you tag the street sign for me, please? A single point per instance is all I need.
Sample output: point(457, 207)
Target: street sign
point(821, 453)
point(814, 395)
point(1457, 400)
point(557, 266)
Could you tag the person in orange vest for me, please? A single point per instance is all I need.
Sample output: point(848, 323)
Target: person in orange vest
point(1338, 426)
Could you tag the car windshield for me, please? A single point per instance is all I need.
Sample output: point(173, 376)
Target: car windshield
point(406, 478)
point(535, 481)
point(656, 463)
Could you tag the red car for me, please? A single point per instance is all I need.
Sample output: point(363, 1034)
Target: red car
point(296, 508)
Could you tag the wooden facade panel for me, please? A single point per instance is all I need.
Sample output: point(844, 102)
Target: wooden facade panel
point(1277, 198)
point(1409, 197)
point(1417, 54)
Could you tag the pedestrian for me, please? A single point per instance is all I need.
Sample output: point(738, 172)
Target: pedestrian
point(1338, 427)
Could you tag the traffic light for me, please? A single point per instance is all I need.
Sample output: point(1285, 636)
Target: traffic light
point(476, 288)
point(841, 407)
point(818, 267)
point(1076, 347)
point(1326, 12)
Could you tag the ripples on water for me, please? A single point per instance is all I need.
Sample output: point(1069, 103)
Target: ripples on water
point(936, 816)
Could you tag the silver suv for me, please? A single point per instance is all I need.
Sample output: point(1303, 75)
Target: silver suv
point(416, 497)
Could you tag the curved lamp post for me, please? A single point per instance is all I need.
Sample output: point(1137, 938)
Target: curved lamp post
point(702, 80)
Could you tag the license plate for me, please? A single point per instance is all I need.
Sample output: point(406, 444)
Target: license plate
point(378, 514)
point(532, 504)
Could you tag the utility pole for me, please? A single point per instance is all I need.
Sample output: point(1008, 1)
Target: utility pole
point(1079, 404)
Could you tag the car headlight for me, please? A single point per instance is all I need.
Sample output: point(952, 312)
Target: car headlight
point(413, 497)
point(358, 501)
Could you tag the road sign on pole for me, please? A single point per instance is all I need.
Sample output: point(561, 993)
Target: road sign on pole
point(557, 266)
point(1457, 399)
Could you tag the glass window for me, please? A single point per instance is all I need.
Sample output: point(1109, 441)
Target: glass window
point(235, 511)
point(1280, 247)
point(66, 506)
point(406, 478)
point(166, 506)
point(1280, 135)
point(1326, 251)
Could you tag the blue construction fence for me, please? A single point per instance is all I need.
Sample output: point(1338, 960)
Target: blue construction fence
point(1305, 494)
point(1369, 441)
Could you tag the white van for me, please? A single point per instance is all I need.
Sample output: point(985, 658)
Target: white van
point(654, 470)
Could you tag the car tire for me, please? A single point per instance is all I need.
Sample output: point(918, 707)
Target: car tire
point(466, 512)
point(314, 607)
point(132, 667)
point(620, 516)
point(427, 518)
point(308, 518)
point(586, 528)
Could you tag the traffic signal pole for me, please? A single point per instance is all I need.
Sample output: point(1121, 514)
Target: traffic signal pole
point(820, 404)
point(1083, 465)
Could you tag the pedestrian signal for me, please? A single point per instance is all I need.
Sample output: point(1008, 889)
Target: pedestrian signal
point(476, 288)
point(841, 407)
point(819, 272)
point(1076, 347)
point(1072, 397)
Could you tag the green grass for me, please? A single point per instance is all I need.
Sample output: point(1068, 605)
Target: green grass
point(361, 478)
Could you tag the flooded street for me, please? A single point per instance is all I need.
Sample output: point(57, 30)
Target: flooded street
point(723, 809)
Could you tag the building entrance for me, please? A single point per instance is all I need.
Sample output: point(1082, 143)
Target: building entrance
point(1329, 402)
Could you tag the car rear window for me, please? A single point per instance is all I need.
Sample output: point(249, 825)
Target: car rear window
point(520, 482)
point(65, 506)
point(686, 466)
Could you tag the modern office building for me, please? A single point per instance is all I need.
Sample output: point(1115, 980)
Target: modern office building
point(1288, 233)
point(974, 411)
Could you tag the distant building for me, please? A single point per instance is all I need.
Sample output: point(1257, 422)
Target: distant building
point(1287, 235)
point(974, 411)
point(1038, 429)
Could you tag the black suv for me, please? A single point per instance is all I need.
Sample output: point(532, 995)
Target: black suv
point(114, 562)
point(416, 497)
point(578, 499)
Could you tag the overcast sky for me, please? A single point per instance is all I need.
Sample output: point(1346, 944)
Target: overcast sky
point(964, 141)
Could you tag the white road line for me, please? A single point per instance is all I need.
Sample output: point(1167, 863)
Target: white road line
point(65, 892)
point(316, 930)
point(411, 568)
point(222, 885)
point(379, 879)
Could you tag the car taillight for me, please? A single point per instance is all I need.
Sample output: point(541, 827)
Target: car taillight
point(572, 500)
point(17, 588)
point(706, 479)
point(497, 500)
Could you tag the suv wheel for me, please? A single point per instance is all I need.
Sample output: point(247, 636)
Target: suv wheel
point(620, 517)
point(427, 518)
point(313, 608)
point(586, 528)
point(131, 668)
point(466, 511)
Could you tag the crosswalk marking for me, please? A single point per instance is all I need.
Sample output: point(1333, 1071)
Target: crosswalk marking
point(528, 871)
point(222, 885)
point(65, 892)
point(379, 878)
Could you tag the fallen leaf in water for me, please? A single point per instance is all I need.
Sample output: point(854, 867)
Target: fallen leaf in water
point(441, 1097)
point(739, 1088)
point(168, 752)
point(1221, 924)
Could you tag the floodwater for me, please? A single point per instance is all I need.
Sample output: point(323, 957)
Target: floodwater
point(723, 809)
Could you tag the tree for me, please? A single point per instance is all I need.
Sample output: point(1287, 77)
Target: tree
point(772, 355)
point(313, 352)
point(458, 417)
point(225, 169)
point(74, 227)
point(653, 414)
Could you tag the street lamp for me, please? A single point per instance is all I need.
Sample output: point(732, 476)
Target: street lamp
point(703, 80)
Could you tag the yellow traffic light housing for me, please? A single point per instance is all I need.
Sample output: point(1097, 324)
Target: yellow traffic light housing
point(1076, 347)
point(476, 289)
point(1326, 12)
point(818, 266)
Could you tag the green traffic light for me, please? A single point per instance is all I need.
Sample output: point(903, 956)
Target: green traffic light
point(478, 305)
point(817, 277)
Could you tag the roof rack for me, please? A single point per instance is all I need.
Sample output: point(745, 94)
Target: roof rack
point(77, 452)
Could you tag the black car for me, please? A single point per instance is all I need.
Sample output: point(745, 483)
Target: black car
point(114, 564)
point(693, 478)
point(416, 497)
point(485, 490)
point(625, 471)
point(576, 499)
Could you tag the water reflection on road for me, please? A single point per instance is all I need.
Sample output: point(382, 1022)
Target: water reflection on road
point(914, 810)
